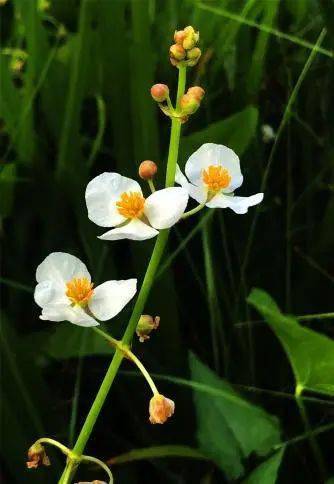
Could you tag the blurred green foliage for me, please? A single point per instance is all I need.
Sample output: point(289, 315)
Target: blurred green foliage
point(74, 86)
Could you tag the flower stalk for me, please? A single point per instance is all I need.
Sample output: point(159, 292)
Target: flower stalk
point(145, 289)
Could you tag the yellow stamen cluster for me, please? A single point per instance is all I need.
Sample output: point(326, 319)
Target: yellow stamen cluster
point(216, 178)
point(79, 290)
point(131, 205)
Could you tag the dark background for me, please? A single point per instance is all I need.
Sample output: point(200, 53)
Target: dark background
point(75, 80)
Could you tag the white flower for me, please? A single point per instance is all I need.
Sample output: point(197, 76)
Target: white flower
point(65, 292)
point(214, 173)
point(116, 201)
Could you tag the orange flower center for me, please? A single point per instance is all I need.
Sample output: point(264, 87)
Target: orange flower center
point(131, 205)
point(79, 291)
point(216, 178)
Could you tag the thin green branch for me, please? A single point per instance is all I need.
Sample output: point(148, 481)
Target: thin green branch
point(157, 452)
point(285, 118)
point(265, 28)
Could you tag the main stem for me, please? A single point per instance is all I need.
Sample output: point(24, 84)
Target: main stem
point(145, 289)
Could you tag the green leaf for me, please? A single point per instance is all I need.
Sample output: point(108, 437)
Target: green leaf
point(255, 74)
point(266, 473)
point(311, 354)
point(229, 428)
point(158, 451)
point(235, 131)
point(68, 341)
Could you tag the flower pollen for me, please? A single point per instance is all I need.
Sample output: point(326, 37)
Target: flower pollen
point(131, 205)
point(79, 290)
point(216, 178)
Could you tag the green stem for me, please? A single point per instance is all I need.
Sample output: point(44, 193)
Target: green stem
point(127, 352)
point(193, 211)
point(151, 185)
point(145, 289)
point(312, 440)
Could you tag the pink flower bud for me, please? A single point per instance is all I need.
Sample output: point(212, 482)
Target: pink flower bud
point(189, 104)
point(197, 92)
point(147, 169)
point(159, 92)
point(161, 408)
point(177, 52)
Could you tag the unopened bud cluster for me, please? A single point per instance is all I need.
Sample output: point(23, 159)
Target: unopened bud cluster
point(185, 50)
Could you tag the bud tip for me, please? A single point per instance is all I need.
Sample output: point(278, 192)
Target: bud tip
point(161, 409)
point(147, 169)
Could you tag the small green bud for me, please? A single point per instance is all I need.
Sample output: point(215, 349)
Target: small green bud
point(189, 104)
point(191, 38)
point(194, 54)
point(177, 52)
point(145, 326)
point(197, 92)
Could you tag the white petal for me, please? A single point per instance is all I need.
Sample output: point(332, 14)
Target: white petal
point(61, 267)
point(216, 155)
point(110, 298)
point(134, 230)
point(102, 193)
point(180, 179)
point(75, 315)
point(199, 193)
point(237, 204)
point(164, 207)
point(50, 292)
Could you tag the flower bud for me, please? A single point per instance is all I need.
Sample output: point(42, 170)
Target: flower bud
point(179, 36)
point(197, 92)
point(177, 52)
point(161, 408)
point(147, 169)
point(193, 56)
point(37, 457)
point(145, 326)
point(189, 104)
point(159, 92)
point(191, 38)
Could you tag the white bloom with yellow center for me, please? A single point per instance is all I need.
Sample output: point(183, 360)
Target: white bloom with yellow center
point(65, 292)
point(214, 173)
point(117, 201)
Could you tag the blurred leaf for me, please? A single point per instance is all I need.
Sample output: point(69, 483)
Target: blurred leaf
point(7, 184)
point(157, 452)
point(26, 399)
point(230, 429)
point(66, 342)
point(235, 131)
point(311, 354)
point(254, 76)
point(266, 473)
